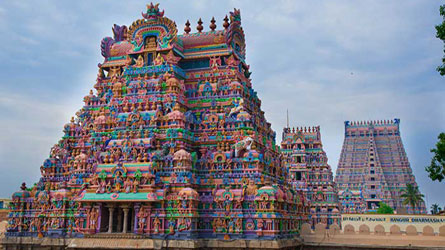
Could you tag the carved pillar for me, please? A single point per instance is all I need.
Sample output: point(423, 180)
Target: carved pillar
point(124, 230)
point(110, 220)
point(135, 225)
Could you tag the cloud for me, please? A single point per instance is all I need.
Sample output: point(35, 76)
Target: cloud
point(28, 130)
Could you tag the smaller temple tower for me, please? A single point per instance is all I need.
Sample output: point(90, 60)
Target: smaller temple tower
point(374, 168)
point(309, 172)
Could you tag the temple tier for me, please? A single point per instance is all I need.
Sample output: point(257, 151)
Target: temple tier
point(172, 144)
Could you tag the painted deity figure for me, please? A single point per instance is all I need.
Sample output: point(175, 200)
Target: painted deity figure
point(118, 182)
point(94, 180)
point(251, 188)
point(127, 145)
point(70, 226)
point(114, 71)
point(127, 185)
point(108, 187)
point(171, 226)
point(158, 60)
point(77, 225)
point(239, 225)
point(149, 178)
point(142, 218)
point(183, 204)
point(156, 225)
point(150, 42)
point(39, 227)
point(102, 187)
point(231, 225)
point(93, 215)
point(227, 204)
point(182, 225)
point(139, 61)
point(222, 227)
point(32, 225)
point(135, 186)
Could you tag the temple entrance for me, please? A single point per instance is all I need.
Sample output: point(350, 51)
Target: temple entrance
point(104, 220)
point(117, 218)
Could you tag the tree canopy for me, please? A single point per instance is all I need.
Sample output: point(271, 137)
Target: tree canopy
point(441, 35)
point(436, 169)
point(435, 209)
point(384, 209)
point(411, 196)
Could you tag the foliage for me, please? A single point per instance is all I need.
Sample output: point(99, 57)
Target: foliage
point(411, 196)
point(384, 209)
point(436, 169)
point(435, 209)
point(441, 35)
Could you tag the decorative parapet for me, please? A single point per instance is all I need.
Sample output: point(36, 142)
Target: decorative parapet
point(154, 69)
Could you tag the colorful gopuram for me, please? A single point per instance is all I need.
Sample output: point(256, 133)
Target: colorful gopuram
point(171, 144)
point(373, 163)
point(310, 173)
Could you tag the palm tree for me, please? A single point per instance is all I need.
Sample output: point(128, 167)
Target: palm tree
point(411, 196)
point(435, 209)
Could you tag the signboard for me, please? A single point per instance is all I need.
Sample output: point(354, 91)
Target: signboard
point(387, 220)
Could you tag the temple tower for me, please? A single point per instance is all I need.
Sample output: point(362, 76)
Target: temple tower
point(310, 173)
point(172, 144)
point(373, 165)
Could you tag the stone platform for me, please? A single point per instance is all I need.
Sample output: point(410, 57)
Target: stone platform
point(123, 242)
point(313, 241)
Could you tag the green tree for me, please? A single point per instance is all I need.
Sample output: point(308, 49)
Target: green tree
point(441, 35)
point(436, 169)
point(411, 196)
point(435, 209)
point(384, 209)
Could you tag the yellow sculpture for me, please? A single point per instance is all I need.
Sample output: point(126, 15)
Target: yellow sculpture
point(139, 61)
point(150, 42)
point(159, 60)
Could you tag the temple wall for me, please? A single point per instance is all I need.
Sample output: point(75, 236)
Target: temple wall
point(378, 232)
point(405, 223)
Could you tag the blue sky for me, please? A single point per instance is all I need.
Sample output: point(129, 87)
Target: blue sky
point(325, 61)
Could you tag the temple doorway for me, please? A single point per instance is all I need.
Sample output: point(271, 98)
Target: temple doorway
point(117, 218)
point(105, 214)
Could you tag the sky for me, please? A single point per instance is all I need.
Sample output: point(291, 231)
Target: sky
point(324, 61)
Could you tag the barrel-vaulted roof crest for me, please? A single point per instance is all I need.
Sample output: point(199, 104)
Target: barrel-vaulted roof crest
point(153, 11)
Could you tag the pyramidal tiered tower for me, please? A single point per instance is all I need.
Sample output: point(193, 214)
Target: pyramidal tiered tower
point(173, 143)
point(373, 164)
point(310, 173)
